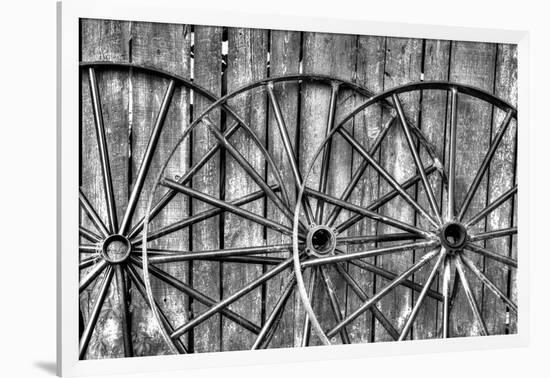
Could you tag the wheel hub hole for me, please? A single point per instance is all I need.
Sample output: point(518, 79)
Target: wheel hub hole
point(116, 248)
point(321, 240)
point(453, 235)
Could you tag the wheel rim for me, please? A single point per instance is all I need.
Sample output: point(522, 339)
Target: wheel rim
point(450, 235)
point(267, 329)
point(108, 262)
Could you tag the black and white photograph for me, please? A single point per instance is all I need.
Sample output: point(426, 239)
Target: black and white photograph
point(246, 189)
point(273, 189)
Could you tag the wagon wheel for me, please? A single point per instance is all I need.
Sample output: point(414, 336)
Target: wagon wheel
point(107, 248)
point(448, 229)
point(276, 259)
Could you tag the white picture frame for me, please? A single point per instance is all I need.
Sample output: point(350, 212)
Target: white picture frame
point(69, 14)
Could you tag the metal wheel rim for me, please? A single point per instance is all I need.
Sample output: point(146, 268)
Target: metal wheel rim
point(220, 102)
point(444, 255)
point(106, 271)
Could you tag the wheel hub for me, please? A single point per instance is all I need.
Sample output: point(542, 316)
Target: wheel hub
point(116, 248)
point(321, 241)
point(453, 236)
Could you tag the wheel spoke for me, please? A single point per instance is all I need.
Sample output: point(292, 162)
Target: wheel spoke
point(92, 214)
point(91, 276)
point(88, 262)
point(430, 149)
point(391, 276)
point(446, 296)
point(103, 151)
point(89, 235)
point(494, 234)
point(199, 217)
point(80, 322)
point(335, 306)
point(94, 315)
point(325, 162)
point(381, 201)
point(232, 298)
point(273, 319)
point(138, 283)
point(417, 160)
point(422, 296)
point(239, 250)
point(492, 255)
point(452, 156)
point(306, 329)
point(147, 157)
point(454, 292)
point(168, 196)
point(485, 163)
point(249, 169)
point(120, 275)
point(283, 130)
point(492, 206)
point(378, 296)
point(359, 173)
point(371, 214)
point(382, 172)
point(369, 253)
point(261, 260)
point(483, 278)
point(227, 252)
point(88, 248)
point(200, 297)
point(470, 297)
point(363, 296)
point(227, 206)
point(369, 239)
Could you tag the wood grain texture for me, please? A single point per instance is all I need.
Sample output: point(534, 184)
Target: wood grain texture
point(105, 40)
point(501, 178)
point(164, 46)
point(432, 122)
point(403, 65)
point(284, 60)
point(247, 62)
point(206, 235)
point(472, 64)
point(367, 125)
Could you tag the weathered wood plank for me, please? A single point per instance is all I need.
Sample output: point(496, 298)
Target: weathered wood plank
point(164, 46)
point(247, 62)
point(284, 60)
point(334, 55)
point(473, 64)
point(432, 124)
point(501, 178)
point(206, 235)
point(105, 40)
point(402, 65)
point(369, 73)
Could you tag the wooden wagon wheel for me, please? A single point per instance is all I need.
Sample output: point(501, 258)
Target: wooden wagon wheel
point(446, 229)
point(267, 255)
point(106, 251)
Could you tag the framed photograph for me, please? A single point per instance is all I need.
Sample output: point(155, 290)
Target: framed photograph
point(240, 188)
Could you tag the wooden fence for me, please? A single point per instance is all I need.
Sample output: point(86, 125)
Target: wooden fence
point(222, 59)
